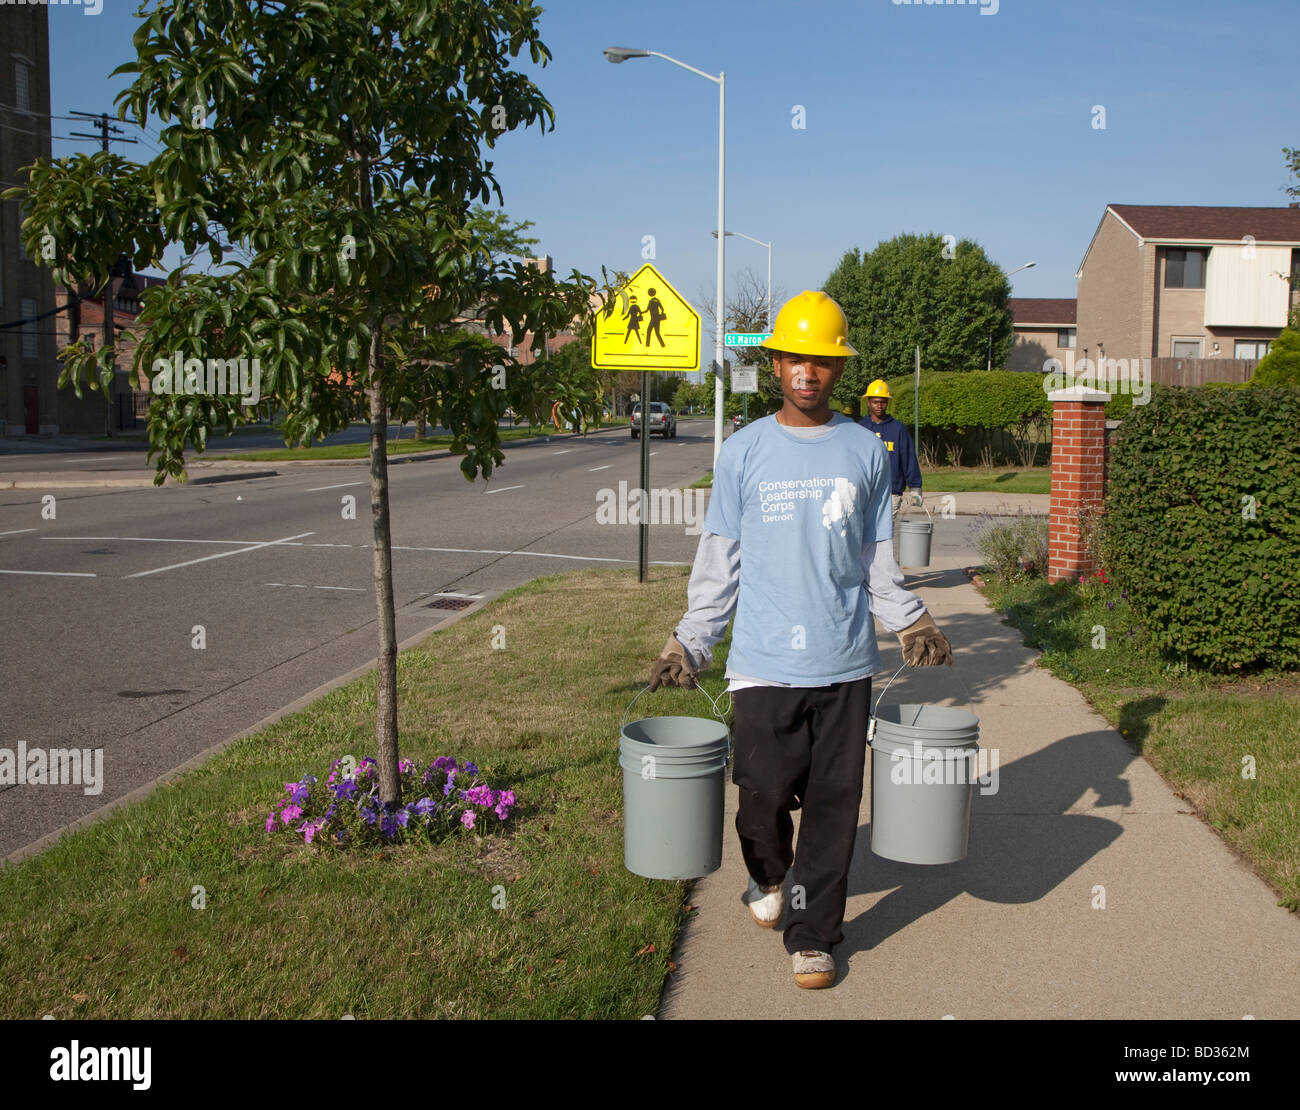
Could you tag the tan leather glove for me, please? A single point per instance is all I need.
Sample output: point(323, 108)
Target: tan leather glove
point(672, 668)
point(924, 645)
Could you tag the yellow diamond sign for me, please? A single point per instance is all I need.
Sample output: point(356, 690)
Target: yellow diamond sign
point(647, 325)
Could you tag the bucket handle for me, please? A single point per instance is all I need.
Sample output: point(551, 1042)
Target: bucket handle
point(931, 519)
point(871, 725)
point(716, 711)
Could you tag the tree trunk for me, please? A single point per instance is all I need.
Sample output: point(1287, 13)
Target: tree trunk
point(390, 790)
point(386, 674)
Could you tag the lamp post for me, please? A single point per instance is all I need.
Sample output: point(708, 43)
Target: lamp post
point(1017, 270)
point(619, 54)
point(767, 304)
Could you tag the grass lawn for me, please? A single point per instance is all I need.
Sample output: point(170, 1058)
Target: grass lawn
point(395, 446)
point(1195, 728)
point(969, 479)
point(103, 924)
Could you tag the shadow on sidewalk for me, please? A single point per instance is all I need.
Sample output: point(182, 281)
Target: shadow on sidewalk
point(1003, 864)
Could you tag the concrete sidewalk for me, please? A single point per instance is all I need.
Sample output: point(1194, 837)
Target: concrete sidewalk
point(1188, 931)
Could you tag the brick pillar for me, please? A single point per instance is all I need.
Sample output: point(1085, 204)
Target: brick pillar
point(1078, 475)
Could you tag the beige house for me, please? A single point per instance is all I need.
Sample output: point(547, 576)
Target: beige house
point(1159, 281)
point(1044, 329)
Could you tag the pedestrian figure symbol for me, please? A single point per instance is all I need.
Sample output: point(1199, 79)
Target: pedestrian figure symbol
point(655, 310)
point(633, 318)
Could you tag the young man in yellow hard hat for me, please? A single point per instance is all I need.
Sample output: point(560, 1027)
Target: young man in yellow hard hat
point(797, 543)
point(905, 483)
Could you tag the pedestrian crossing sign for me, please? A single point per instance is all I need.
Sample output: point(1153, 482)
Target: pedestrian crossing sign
point(646, 325)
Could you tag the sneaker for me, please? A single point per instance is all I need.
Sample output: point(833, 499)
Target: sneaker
point(814, 969)
point(764, 903)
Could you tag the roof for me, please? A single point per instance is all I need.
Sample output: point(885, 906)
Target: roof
point(1164, 221)
point(1043, 310)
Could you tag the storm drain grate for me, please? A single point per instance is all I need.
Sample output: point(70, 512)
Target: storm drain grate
point(448, 603)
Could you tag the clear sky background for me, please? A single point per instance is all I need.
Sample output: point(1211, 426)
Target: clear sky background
point(918, 119)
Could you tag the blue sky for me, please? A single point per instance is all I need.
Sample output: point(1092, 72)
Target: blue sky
point(918, 119)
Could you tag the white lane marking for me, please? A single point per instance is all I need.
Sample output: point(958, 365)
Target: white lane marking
point(539, 554)
point(341, 485)
point(147, 539)
point(503, 489)
point(298, 586)
point(652, 454)
point(16, 531)
point(595, 468)
point(220, 555)
point(564, 452)
point(53, 573)
point(326, 545)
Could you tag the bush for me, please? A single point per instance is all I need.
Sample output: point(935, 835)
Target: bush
point(1013, 550)
point(1281, 366)
point(1202, 525)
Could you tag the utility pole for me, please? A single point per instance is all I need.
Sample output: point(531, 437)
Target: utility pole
point(114, 283)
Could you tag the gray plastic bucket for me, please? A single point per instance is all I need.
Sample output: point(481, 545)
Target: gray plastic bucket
point(923, 773)
point(914, 542)
point(674, 778)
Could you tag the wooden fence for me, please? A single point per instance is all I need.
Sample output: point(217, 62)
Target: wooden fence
point(1198, 371)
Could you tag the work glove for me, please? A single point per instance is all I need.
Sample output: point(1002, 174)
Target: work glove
point(672, 668)
point(914, 496)
point(924, 645)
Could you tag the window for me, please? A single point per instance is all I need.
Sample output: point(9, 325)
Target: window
point(1184, 269)
point(1065, 338)
point(1250, 348)
point(22, 86)
point(28, 310)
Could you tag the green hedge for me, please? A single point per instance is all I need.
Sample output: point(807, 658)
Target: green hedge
point(1212, 572)
point(975, 399)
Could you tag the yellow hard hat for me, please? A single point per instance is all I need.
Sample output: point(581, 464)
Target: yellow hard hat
point(810, 324)
point(878, 388)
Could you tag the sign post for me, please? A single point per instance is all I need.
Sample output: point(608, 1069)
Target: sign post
point(745, 381)
point(647, 325)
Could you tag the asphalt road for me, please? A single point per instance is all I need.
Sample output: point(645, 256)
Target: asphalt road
point(100, 603)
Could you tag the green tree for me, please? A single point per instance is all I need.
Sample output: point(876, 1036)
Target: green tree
point(498, 235)
point(908, 292)
point(349, 187)
point(1281, 366)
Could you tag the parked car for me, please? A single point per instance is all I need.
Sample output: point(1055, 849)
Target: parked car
point(662, 420)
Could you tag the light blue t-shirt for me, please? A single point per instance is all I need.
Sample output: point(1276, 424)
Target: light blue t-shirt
point(802, 510)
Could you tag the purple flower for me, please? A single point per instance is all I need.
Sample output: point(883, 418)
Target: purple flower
point(424, 807)
point(388, 826)
point(502, 812)
point(444, 763)
point(404, 765)
point(451, 781)
point(467, 819)
point(1110, 605)
point(290, 813)
point(506, 797)
point(270, 823)
point(347, 789)
point(471, 769)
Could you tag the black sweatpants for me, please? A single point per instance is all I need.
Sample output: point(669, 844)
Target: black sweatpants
point(802, 748)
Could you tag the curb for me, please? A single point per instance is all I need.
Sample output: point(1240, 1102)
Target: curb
point(126, 483)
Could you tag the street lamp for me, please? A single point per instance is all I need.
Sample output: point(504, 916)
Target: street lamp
point(1017, 270)
point(619, 54)
point(767, 304)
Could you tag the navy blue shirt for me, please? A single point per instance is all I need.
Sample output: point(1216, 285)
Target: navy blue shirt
point(902, 455)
